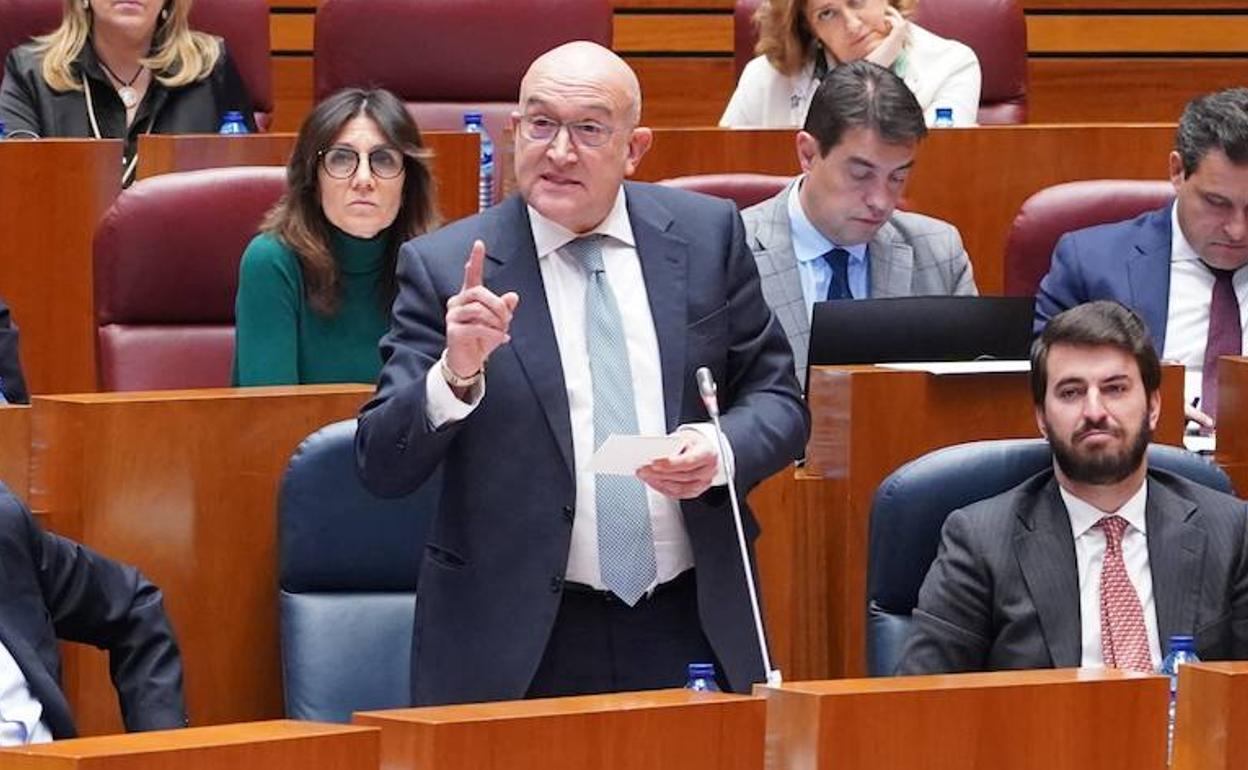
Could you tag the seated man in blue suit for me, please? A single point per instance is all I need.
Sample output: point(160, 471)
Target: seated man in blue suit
point(1180, 267)
point(834, 232)
point(53, 588)
point(12, 384)
point(584, 308)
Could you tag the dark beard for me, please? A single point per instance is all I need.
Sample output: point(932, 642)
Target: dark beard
point(1101, 468)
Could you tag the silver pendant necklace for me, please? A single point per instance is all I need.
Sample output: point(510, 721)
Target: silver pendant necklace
point(125, 88)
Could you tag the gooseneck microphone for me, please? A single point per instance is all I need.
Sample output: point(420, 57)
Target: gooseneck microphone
point(707, 389)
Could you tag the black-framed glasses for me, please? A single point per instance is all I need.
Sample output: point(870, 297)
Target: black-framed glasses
point(583, 133)
point(342, 162)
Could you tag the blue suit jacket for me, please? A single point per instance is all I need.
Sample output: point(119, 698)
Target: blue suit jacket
point(1124, 261)
point(10, 365)
point(51, 588)
point(492, 571)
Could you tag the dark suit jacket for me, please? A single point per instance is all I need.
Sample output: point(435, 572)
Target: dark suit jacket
point(1124, 261)
point(492, 573)
point(1003, 592)
point(10, 363)
point(51, 588)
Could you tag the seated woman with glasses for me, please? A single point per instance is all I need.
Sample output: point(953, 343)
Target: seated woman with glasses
point(115, 70)
point(315, 287)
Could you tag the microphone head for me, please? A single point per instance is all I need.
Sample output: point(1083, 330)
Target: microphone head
point(706, 382)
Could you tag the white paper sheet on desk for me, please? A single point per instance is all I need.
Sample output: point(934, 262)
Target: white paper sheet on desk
point(623, 455)
point(961, 367)
point(1200, 444)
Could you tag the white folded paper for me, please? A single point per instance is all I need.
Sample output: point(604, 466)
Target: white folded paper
point(623, 455)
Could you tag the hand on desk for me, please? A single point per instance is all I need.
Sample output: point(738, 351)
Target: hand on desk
point(1193, 414)
point(687, 472)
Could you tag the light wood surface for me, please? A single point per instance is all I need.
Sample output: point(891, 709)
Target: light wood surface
point(1232, 447)
point(1212, 714)
point(657, 730)
point(1154, 33)
point(455, 163)
point(1026, 720)
point(974, 178)
point(52, 192)
point(276, 745)
point(672, 33)
point(183, 484)
point(866, 423)
point(15, 449)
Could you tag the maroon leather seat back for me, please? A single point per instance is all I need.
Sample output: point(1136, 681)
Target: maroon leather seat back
point(994, 29)
point(444, 57)
point(244, 25)
point(744, 189)
point(1057, 210)
point(20, 20)
point(166, 272)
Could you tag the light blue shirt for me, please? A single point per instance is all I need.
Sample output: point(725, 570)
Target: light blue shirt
point(809, 246)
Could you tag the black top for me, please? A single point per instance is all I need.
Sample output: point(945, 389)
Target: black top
point(12, 384)
point(28, 103)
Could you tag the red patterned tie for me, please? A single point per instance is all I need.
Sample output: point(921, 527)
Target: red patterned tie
point(1124, 640)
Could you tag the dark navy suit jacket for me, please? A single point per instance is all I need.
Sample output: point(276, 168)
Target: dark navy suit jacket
point(1124, 261)
point(492, 571)
point(51, 588)
point(10, 365)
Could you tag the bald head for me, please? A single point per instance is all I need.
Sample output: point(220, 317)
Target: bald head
point(585, 65)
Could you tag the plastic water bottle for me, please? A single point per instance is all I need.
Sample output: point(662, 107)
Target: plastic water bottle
point(702, 678)
point(944, 117)
point(485, 183)
point(3, 398)
point(233, 123)
point(1, 129)
point(1182, 650)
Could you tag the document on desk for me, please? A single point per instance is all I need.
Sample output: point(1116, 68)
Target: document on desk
point(961, 367)
point(623, 455)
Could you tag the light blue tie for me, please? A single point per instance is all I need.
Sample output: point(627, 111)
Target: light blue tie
point(625, 542)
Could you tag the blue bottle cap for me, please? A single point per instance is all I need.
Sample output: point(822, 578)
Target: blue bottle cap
point(701, 670)
point(1182, 643)
point(233, 116)
point(471, 118)
point(944, 112)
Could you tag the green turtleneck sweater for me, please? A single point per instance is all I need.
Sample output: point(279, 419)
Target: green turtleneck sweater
point(281, 340)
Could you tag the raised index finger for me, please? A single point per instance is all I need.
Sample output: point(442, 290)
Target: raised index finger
point(475, 267)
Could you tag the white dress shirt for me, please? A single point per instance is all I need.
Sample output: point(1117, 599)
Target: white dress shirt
point(1187, 311)
point(565, 282)
point(809, 246)
point(20, 714)
point(1090, 555)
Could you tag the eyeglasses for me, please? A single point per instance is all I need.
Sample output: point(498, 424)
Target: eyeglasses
point(342, 162)
point(584, 133)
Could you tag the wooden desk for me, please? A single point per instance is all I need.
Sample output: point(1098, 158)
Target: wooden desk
point(867, 422)
point(1232, 446)
point(1033, 720)
point(15, 449)
point(976, 178)
point(1209, 729)
point(52, 193)
point(276, 745)
point(657, 730)
point(183, 484)
point(455, 163)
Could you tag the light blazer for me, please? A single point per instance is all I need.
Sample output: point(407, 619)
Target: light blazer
point(10, 364)
point(1124, 261)
point(1003, 592)
point(492, 570)
point(910, 255)
point(51, 588)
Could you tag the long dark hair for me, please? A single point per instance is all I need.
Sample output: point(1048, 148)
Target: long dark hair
point(298, 220)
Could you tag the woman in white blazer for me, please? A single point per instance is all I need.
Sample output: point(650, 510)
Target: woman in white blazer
point(799, 40)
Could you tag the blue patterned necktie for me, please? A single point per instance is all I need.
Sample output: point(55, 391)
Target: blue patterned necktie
point(625, 542)
point(838, 287)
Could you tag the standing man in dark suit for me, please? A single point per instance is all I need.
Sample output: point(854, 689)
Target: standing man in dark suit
point(584, 308)
point(53, 588)
point(834, 232)
point(1182, 267)
point(12, 383)
point(1100, 560)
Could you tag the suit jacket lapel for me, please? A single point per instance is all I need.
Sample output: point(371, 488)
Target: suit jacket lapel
point(1046, 555)
point(775, 242)
point(1148, 271)
point(1176, 553)
point(891, 262)
point(664, 266)
point(532, 332)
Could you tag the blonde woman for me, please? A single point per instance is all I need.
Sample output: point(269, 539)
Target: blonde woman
point(800, 40)
point(117, 69)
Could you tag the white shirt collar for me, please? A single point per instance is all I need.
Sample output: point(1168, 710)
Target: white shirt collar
point(808, 243)
point(1180, 249)
point(550, 236)
point(1084, 516)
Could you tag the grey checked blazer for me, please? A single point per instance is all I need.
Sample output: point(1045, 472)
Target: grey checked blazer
point(910, 255)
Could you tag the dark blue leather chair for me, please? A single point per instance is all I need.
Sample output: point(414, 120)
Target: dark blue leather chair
point(348, 566)
point(911, 505)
